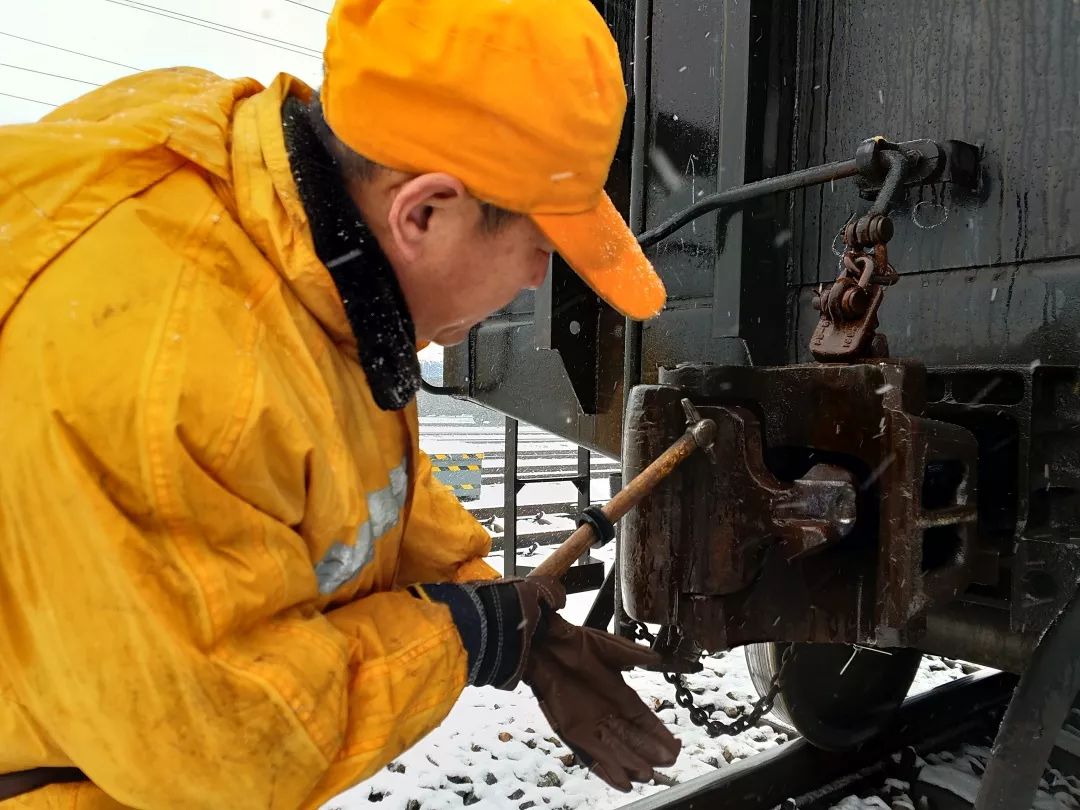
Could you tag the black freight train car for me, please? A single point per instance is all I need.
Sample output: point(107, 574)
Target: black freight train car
point(880, 308)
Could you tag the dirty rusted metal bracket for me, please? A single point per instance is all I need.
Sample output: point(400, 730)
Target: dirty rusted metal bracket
point(839, 514)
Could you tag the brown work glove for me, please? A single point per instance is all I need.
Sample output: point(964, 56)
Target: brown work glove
point(512, 633)
point(576, 675)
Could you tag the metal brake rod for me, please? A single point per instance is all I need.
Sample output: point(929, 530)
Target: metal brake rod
point(815, 175)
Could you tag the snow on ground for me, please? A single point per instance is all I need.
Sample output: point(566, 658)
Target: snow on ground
point(496, 750)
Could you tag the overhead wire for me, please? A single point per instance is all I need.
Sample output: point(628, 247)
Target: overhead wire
point(148, 6)
point(31, 100)
point(221, 28)
point(305, 5)
point(68, 50)
point(210, 25)
point(45, 73)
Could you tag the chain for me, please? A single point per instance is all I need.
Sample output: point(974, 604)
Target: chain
point(700, 716)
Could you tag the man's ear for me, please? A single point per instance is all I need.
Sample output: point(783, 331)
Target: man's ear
point(417, 201)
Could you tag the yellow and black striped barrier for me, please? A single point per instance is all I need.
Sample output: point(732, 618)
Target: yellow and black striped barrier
point(462, 472)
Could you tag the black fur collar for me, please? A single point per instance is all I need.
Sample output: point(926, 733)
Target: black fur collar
point(376, 309)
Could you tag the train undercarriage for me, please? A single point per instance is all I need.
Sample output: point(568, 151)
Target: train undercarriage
point(886, 333)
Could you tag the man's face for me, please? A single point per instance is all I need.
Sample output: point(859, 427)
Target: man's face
point(472, 271)
point(453, 270)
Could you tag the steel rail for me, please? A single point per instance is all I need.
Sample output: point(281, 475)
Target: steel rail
point(796, 774)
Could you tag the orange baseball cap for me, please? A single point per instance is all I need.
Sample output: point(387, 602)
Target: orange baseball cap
point(522, 100)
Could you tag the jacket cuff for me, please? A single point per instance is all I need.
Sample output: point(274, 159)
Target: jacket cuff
point(467, 613)
point(489, 620)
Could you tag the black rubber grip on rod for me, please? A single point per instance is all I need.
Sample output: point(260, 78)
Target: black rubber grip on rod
point(603, 529)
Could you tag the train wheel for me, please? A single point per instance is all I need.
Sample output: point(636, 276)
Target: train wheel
point(835, 695)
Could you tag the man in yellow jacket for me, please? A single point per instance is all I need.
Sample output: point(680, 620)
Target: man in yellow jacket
point(227, 576)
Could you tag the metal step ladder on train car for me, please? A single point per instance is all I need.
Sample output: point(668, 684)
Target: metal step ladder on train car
point(587, 574)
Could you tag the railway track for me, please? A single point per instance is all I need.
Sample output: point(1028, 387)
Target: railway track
point(798, 775)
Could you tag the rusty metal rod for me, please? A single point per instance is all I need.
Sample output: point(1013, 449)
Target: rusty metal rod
point(698, 435)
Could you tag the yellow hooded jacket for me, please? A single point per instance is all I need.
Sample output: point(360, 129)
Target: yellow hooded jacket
point(205, 519)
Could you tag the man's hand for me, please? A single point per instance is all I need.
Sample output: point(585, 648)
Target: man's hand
point(575, 673)
point(513, 634)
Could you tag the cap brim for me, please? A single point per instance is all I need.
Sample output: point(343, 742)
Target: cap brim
point(601, 249)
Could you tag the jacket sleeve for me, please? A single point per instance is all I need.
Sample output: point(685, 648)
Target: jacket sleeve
point(158, 601)
point(443, 542)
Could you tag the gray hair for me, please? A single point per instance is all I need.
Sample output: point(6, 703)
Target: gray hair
point(356, 166)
